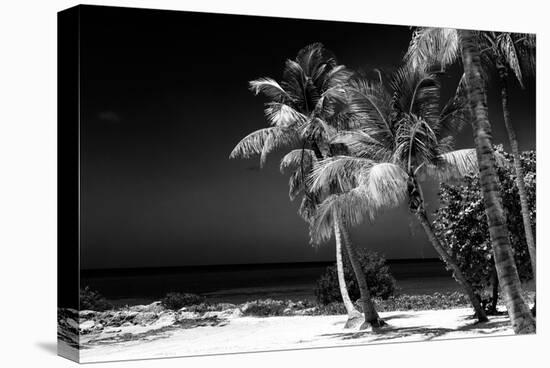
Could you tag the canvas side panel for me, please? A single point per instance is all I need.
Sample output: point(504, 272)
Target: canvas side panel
point(68, 187)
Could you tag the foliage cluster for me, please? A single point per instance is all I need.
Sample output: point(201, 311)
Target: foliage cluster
point(176, 300)
point(93, 300)
point(460, 221)
point(379, 279)
point(264, 308)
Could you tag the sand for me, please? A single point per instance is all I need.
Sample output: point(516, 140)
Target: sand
point(248, 334)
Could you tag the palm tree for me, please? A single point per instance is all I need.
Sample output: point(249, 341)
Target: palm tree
point(404, 134)
point(436, 45)
point(520, 315)
point(506, 52)
point(304, 111)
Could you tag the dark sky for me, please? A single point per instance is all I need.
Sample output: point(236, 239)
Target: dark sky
point(165, 98)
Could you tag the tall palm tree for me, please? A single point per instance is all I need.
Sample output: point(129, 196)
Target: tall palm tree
point(304, 112)
point(404, 134)
point(436, 45)
point(506, 52)
point(520, 315)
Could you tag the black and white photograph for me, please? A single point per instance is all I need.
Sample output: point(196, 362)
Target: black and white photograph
point(236, 183)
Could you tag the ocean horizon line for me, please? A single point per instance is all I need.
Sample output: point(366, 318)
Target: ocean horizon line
point(96, 272)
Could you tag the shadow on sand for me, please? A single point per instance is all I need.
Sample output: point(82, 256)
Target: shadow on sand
point(424, 333)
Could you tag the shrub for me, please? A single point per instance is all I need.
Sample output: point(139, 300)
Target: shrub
point(176, 301)
point(93, 300)
point(381, 282)
point(461, 222)
point(423, 302)
point(333, 308)
point(210, 307)
point(264, 308)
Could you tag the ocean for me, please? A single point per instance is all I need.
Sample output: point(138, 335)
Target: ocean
point(240, 283)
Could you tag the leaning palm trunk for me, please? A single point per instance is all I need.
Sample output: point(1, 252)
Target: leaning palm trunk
point(519, 170)
point(417, 207)
point(451, 263)
point(371, 316)
point(354, 317)
point(520, 315)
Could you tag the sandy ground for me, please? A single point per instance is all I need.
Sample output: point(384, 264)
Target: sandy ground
point(247, 334)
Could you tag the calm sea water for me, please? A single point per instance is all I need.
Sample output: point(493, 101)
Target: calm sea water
point(240, 283)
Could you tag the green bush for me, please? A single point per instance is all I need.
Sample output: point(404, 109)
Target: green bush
point(379, 279)
point(176, 301)
point(461, 222)
point(93, 300)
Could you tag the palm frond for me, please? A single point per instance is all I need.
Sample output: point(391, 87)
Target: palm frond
point(433, 47)
point(278, 137)
point(252, 144)
point(360, 144)
point(457, 164)
point(316, 129)
point(446, 144)
point(417, 92)
point(371, 104)
point(264, 141)
point(386, 184)
point(526, 46)
point(283, 115)
point(415, 143)
point(331, 102)
point(350, 209)
point(307, 208)
point(336, 77)
point(296, 184)
point(294, 83)
point(312, 56)
point(341, 171)
point(456, 113)
point(295, 158)
point(454, 165)
point(508, 50)
point(269, 88)
point(312, 95)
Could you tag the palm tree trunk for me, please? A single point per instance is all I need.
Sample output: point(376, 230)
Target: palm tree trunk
point(353, 314)
point(529, 237)
point(520, 315)
point(451, 263)
point(417, 207)
point(371, 316)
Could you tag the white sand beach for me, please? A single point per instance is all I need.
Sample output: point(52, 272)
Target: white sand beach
point(247, 334)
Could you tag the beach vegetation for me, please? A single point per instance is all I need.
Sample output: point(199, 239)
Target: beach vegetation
point(93, 300)
point(380, 281)
point(177, 300)
point(460, 221)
